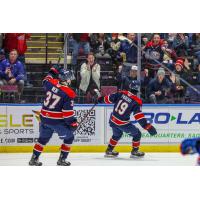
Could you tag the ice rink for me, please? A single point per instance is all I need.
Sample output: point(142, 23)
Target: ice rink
point(97, 159)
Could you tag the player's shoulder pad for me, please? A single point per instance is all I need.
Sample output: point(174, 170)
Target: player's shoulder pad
point(68, 91)
point(132, 96)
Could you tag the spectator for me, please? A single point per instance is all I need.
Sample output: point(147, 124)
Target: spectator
point(124, 80)
point(170, 39)
point(2, 53)
point(180, 45)
point(127, 50)
point(114, 48)
point(12, 71)
point(100, 44)
point(169, 55)
point(17, 41)
point(90, 75)
point(159, 88)
point(198, 77)
point(196, 45)
point(182, 71)
point(80, 42)
point(153, 54)
point(144, 41)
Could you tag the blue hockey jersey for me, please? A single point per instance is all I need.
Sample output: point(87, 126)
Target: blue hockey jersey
point(58, 104)
point(125, 103)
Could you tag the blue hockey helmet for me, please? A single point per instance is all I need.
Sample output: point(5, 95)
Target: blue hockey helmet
point(134, 86)
point(65, 76)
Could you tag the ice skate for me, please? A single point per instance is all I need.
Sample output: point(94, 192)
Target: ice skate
point(34, 161)
point(111, 154)
point(137, 154)
point(62, 162)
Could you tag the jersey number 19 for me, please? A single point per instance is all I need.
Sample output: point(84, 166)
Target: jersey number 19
point(121, 107)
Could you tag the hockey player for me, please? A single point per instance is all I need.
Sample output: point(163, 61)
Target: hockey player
point(57, 115)
point(191, 146)
point(125, 103)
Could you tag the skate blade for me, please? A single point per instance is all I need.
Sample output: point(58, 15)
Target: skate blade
point(110, 156)
point(60, 164)
point(136, 157)
point(30, 164)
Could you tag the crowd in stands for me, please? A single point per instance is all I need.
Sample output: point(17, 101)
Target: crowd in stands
point(169, 71)
point(170, 63)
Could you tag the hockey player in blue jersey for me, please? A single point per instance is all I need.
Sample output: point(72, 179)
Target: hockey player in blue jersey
point(191, 146)
point(57, 115)
point(126, 103)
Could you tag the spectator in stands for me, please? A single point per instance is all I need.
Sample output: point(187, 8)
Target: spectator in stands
point(198, 79)
point(12, 71)
point(80, 43)
point(144, 41)
point(169, 55)
point(114, 48)
point(17, 41)
point(100, 44)
point(196, 76)
point(159, 88)
point(153, 54)
point(196, 45)
point(181, 45)
point(182, 71)
point(2, 53)
point(127, 50)
point(170, 39)
point(90, 76)
point(124, 80)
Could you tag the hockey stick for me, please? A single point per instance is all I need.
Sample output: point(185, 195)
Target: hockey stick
point(91, 109)
point(162, 65)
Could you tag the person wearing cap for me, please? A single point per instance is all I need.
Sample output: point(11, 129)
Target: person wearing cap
point(124, 80)
point(159, 87)
point(182, 71)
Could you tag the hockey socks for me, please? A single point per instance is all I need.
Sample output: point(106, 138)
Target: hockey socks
point(135, 145)
point(65, 147)
point(37, 150)
point(113, 142)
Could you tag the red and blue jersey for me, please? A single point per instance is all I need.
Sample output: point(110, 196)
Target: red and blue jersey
point(58, 104)
point(125, 103)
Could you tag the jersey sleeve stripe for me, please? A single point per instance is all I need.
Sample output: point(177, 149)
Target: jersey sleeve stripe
point(139, 116)
point(107, 100)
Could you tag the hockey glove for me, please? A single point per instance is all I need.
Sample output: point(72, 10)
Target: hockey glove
point(54, 71)
point(189, 146)
point(152, 131)
point(73, 126)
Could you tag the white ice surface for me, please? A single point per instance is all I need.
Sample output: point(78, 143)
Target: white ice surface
point(97, 159)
